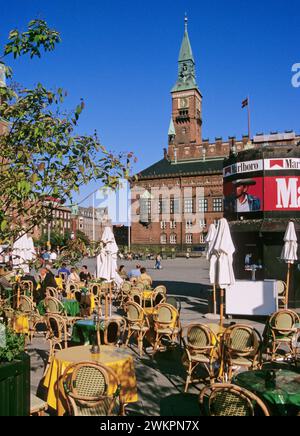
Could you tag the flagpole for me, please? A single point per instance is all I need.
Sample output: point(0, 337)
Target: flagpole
point(248, 107)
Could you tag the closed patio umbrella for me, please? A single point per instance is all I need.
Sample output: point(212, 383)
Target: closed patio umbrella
point(23, 252)
point(221, 269)
point(107, 260)
point(210, 238)
point(289, 254)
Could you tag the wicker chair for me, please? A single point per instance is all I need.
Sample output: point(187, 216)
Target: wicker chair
point(280, 295)
point(157, 297)
point(96, 290)
point(175, 302)
point(242, 347)
point(281, 331)
point(230, 400)
point(160, 288)
point(137, 324)
point(201, 348)
point(87, 385)
point(55, 307)
point(28, 307)
point(26, 287)
point(51, 292)
point(57, 335)
point(140, 286)
point(136, 296)
point(166, 324)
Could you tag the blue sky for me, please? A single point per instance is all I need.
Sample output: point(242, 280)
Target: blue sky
point(121, 57)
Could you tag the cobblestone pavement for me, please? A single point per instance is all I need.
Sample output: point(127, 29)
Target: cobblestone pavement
point(160, 380)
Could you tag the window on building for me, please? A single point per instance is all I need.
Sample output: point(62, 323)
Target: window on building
point(189, 224)
point(202, 238)
point(163, 239)
point(173, 224)
point(188, 205)
point(163, 225)
point(162, 206)
point(145, 210)
point(188, 239)
point(202, 223)
point(173, 239)
point(203, 205)
point(174, 206)
point(218, 204)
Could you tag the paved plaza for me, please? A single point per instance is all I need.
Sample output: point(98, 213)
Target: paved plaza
point(160, 380)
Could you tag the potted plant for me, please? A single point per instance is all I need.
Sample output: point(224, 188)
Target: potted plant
point(14, 374)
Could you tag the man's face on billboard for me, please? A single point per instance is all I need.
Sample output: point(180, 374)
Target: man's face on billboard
point(241, 191)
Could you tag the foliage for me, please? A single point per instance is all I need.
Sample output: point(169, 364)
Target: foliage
point(43, 158)
point(15, 345)
point(82, 236)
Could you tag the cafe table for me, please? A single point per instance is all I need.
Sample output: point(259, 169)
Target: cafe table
point(278, 388)
point(120, 361)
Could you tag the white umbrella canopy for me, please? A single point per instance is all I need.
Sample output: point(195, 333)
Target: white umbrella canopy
point(289, 254)
point(107, 258)
point(221, 258)
point(289, 251)
point(23, 252)
point(209, 240)
point(221, 270)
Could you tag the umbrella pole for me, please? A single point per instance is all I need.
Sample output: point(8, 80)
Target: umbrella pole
point(214, 299)
point(110, 298)
point(106, 304)
point(221, 306)
point(287, 285)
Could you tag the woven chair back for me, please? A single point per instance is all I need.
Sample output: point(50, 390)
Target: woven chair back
point(231, 400)
point(134, 311)
point(161, 288)
point(26, 304)
point(199, 337)
point(166, 314)
point(242, 340)
point(53, 305)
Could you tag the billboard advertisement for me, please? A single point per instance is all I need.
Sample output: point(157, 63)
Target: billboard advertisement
point(262, 185)
point(282, 193)
point(244, 195)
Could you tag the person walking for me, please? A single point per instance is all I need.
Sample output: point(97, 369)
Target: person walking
point(158, 262)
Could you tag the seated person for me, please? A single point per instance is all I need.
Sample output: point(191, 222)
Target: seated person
point(135, 273)
point(145, 276)
point(84, 274)
point(64, 270)
point(122, 273)
point(74, 277)
point(47, 280)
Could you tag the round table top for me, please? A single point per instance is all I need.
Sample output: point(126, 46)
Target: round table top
point(108, 354)
point(285, 388)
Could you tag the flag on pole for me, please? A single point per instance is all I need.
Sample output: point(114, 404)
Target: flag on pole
point(245, 102)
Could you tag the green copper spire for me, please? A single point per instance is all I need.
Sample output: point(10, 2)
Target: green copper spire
point(186, 64)
point(186, 53)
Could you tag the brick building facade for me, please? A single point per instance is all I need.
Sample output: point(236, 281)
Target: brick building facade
point(176, 199)
point(91, 221)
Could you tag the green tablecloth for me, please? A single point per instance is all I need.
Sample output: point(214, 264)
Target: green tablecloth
point(84, 332)
point(283, 397)
point(72, 307)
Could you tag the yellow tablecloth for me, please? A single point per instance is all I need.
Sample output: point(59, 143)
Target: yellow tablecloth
point(116, 358)
point(21, 324)
point(147, 295)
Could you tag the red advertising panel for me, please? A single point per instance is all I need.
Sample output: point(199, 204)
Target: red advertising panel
point(244, 195)
point(282, 193)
